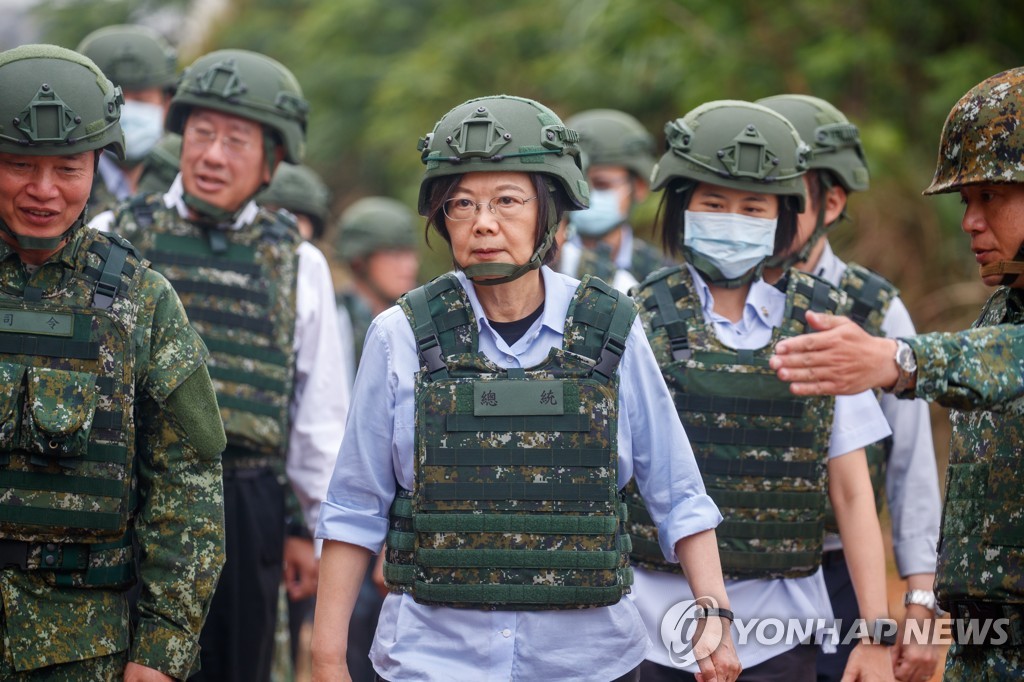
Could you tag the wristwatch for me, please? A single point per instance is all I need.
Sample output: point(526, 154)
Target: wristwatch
point(906, 365)
point(923, 598)
point(883, 631)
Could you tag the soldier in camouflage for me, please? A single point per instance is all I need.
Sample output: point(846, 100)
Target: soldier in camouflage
point(261, 298)
point(733, 183)
point(498, 411)
point(618, 156)
point(139, 61)
point(299, 190)
point(110, 443)
point(376, 239)
point(978, 373)
point(903, 467)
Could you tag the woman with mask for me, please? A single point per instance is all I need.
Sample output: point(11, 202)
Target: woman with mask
point(498, 411)
point(732, 178)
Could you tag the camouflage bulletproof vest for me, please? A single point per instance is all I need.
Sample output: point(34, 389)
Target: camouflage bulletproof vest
point(238, 289)
point(868, 298)
point(352, 304)
point(516, 502)
point(981, 550)
point(67, 432)
point(762, 451)
point(599, 262)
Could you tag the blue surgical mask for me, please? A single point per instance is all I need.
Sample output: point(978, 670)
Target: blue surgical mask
point(603, 215)
point(732, 243)
point(143, 126)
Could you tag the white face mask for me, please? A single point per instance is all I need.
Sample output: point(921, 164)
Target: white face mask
point(731, 242)
point(143, 126)
point(604, 214)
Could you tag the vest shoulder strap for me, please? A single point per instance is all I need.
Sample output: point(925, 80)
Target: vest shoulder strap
point(807, 292)
point(442, 324)
point(118, 258)
point(658, 295)
point(142, 208)
point(869, 294)
point(598, 323)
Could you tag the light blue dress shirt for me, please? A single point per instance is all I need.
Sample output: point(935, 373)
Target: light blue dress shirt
point(857, 422)
point(417, 642)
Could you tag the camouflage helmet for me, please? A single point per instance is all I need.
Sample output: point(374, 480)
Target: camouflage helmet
point(834, 141)
point(374, 224)
point(982, 139)
point(57, 102)
point(735, 144)
point(249, 85)
point(614, 138)
point(506, 134)
point(133, 57)
point(160, 166)
point(299, 189)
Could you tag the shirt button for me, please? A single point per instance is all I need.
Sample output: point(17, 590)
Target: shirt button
point(510, 358)
point(506, 633)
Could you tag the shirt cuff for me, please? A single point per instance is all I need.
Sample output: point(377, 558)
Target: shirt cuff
point(340, 523)
point(915, 555)
point(169, 650)
point(691, 516)
point(931, 367)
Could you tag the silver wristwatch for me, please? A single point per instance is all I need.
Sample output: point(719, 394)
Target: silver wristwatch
point(923, 598)
point(906, 365)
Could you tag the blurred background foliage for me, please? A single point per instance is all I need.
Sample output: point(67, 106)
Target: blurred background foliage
point(379, 73)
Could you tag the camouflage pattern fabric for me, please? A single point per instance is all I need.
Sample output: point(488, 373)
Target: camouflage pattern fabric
point(352, 304)
point(516, 503)
point(979, 374)
point(983, 664)
point(238, 288)
point(599, 262)
point(762, 452)
point(48, 618)
point(869, 296)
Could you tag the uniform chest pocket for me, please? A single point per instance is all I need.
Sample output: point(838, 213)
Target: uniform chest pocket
point(12, 387)
point(59, 410)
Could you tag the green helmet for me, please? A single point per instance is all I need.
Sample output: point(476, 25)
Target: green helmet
point(614, 138)
point(161, 165)
point(57, 102)
point(505, 133)
point(835, 142)
point(300, 190)
point(249, 85)
point(133, 57)
point(735, 144)
point(983, 137)
point(374, 224)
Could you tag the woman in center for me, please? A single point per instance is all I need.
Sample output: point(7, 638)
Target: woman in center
point(733, 186)
point(497, 413)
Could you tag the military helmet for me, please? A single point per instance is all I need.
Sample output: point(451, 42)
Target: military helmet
point(299, 189)
point(735, 144)
point(834, 141)
point(161, 165)
point(249, 85)
point(57, 102)
point(614, 138)
point(983, 137)
point(133, 57)
point(503, 133)
point(374, 224)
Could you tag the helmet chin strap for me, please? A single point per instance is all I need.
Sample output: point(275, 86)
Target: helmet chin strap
point(1010, 269)
point(502, 273)
point(713, 275)
point(30, 243)
point(785, 262)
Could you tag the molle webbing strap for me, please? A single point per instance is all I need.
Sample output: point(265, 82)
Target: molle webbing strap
point(434, 324)
point(539, 595)
point(748, 437)
point(667, 315)
point(757, 563)
point(580, 492)
point(873, 296)
point(223, 290)
point(769, 530)
point(769, 407)
point(163, 259)
point(817, 293)
point(604, 323)
point(437, 456)
point(720, 466)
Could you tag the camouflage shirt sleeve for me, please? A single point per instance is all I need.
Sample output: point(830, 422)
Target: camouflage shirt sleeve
point(980, 368)
point(180, 521)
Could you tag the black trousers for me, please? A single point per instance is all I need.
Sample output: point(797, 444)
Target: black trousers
point(844, 605)
point(238, 638)
point(796, 665)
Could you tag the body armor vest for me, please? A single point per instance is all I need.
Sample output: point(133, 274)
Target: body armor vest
point(238, 289)
point(762, 451)
point(599, 262)
point(67, 426)
point(981, 550)
point(516, 502)
point(869, 296)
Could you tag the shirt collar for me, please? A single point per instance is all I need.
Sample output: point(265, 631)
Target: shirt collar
point(556, 301)
point(764, 302)
point(829, 266)
point(175, 198)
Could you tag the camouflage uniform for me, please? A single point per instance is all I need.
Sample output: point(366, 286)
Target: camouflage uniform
point(178, 482)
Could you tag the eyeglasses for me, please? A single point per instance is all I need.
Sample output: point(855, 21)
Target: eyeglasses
point(505, 206)
point(204, 137)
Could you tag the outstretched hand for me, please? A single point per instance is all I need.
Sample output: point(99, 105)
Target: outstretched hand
point(839, 359)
